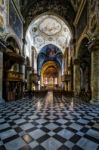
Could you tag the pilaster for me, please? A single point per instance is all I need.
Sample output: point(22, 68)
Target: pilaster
point(94, 48)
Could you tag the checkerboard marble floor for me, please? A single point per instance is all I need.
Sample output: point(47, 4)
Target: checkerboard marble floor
point(49, 124)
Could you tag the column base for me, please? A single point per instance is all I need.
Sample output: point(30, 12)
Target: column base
point(95, 102)
point(2, 100)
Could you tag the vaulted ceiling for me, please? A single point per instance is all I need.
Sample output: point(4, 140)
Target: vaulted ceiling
point(51, 72)
point(61, 23)
point(49, 29)
point(32, 8)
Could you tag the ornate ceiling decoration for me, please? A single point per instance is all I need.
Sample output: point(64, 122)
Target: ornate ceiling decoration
point(48, 29)
point(50, 26)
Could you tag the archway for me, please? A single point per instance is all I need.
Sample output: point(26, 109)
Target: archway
point(84, 57)
point(49, 52)
point(50, 35)
point(50, 65)
point(48, 28)
point(50, 74)
point(36, 8)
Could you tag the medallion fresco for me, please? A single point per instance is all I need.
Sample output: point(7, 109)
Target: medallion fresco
point(50, 26)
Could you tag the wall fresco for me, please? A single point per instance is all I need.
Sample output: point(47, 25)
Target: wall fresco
point(14, 20)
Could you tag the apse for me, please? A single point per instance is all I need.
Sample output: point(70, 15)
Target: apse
point(49, 53)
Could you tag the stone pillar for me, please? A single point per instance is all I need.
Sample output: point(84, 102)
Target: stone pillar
point(94, 48)
point(76, 77)
point(59, 80)
point(1, 76)
point(66, 87)
point(69, 81)
point(69, 86)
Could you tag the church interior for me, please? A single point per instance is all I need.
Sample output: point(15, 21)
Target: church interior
point(49, 75)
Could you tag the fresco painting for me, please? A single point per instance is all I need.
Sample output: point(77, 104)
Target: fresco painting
point(14, 20)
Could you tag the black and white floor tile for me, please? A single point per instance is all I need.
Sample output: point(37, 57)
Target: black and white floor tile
point(49, 124)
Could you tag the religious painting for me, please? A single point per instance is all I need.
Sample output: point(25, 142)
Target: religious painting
point(15, 20)
point(51, 53)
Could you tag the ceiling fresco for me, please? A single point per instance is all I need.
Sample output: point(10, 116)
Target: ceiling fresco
point(50, 26)
point(49, 29)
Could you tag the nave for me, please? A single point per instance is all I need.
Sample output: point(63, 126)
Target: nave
point(45, 46)
point(49, 122)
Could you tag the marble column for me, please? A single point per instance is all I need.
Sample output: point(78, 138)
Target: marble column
point(94, 48)
point(1, 76)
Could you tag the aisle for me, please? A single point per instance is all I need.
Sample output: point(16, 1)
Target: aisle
point(49, 124)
